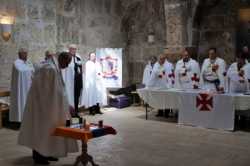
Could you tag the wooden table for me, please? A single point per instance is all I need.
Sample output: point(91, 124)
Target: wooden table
point(84, 135)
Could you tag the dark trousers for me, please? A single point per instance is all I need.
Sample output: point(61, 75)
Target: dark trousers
point(77, 91)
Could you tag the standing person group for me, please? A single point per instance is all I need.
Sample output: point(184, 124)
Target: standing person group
point(187, 74)
point(213, 75)
point(84, 86)
point(42, 98)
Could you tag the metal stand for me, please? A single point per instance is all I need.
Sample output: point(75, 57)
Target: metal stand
point(84, 158)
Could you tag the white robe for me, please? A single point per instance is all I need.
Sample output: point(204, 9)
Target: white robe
point(146, 73)
point(190, 68)
point(46, 108)
point(94, 91)
point(69, 78)
point(169, 68)
point(20, 84)
point(208, 74)
point(160, 75)
point(234, 84)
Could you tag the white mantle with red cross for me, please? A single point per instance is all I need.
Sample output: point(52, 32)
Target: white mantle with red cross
point(198, 107)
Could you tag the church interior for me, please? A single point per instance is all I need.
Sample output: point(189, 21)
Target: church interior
point(131, 82)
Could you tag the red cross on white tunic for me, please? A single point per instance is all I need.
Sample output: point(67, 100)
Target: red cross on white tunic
point(204, 102)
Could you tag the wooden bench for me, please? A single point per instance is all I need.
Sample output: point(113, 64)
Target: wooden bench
point(3, 106)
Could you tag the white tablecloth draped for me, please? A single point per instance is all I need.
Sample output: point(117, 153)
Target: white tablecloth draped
point(218, 113)
point(221, 117)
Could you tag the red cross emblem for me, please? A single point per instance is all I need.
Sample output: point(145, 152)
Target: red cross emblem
point(204, 102)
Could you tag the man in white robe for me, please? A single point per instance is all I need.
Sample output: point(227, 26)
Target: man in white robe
point(47, 108)
point(213, 72)
point(148, 70)
point(93, 93)
point(73, 78)
point(22, 72)
point(160, 78)
point(239, 76)
point(187, 72)
point(160, 74)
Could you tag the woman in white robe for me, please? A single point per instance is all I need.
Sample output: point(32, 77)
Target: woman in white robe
point(47, 108)
point(93, 93)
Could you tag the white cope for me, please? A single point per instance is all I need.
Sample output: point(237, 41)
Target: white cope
point(160, 75)
point(69, 78)
point(208, 74)
point(184, 71)
point(46, 108)
point(147, 73)
point(236, 82)
point(20, 84)
point(94, 90)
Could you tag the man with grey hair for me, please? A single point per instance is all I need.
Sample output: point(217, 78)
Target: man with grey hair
point(22, 72)
point(73, 78)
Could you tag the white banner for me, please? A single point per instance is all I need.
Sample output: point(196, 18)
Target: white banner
point(111, 66)
point(207, 110)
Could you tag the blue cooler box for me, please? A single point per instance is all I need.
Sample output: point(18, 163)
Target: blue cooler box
point(120, 102)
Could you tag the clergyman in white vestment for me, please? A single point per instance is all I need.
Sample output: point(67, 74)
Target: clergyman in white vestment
point(72, 77)
point(160, 78)
point(213, 72)
point(239, 76)
point(22, 72)
point(160, 74)
point(47, 108)
point(94, 91)
point(148, 70)
point(187, 72)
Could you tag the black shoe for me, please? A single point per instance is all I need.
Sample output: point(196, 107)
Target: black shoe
point(166, 113)
point(91, 111)
point(52, 159)
point(39, 159)
point(160, 113)
point(97, 109)
point(41, 162)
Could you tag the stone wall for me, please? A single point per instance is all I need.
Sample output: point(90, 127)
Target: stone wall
point(53, 24)
point(35, 22)
point(218, 29)
point(141, 18)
